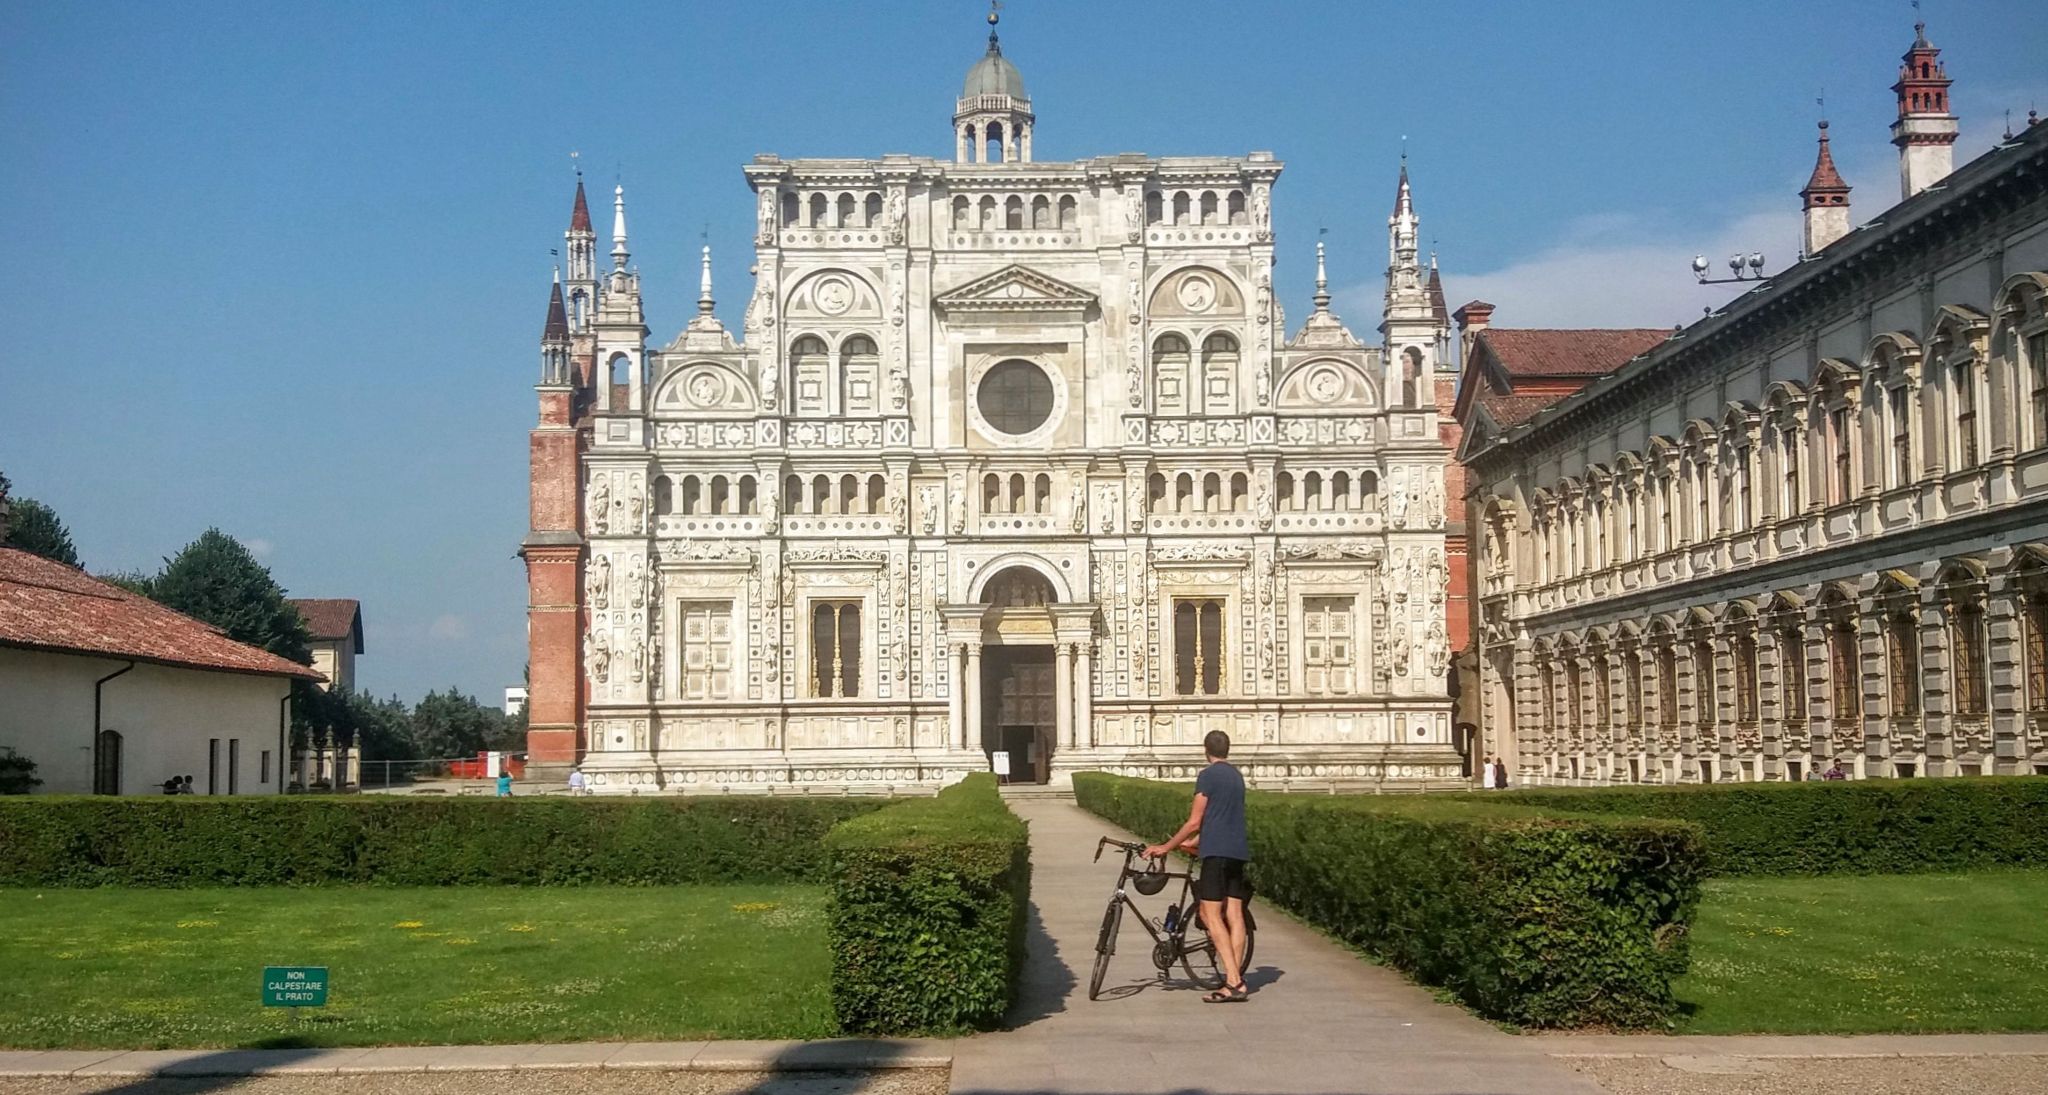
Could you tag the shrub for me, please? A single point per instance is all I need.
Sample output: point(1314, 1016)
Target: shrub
point(17, 773)
point(929, 898)
point(1860, 827)
point(411, 841)
point(1531, 917)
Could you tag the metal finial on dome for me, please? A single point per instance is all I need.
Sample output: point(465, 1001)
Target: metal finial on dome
point(995, 8)
point(1322, 297)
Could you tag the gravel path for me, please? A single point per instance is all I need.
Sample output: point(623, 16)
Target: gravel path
point(915, 1081)
point(1818, 1076)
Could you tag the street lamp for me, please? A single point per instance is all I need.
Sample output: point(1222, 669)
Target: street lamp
point(1744, 268)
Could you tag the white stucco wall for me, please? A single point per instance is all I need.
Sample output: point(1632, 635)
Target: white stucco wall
point(166, 717)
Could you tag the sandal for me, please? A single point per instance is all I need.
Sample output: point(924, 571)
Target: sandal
point(1227, 995)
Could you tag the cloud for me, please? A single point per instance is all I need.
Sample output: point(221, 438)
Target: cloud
point(1617, 270)
point(259, 547)
point(449, 627)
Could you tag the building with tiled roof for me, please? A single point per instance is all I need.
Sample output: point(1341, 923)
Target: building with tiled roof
point(335, 626)
point(112, 693)
point(1810, 529)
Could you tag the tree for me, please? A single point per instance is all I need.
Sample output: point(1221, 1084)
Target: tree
point(383, 728)
point(134, 581)
point(215, 579)
point(17, 773)
point(455, 725)
point(34, 527)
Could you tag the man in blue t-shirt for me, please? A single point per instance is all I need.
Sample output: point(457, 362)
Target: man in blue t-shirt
point(1215, 831)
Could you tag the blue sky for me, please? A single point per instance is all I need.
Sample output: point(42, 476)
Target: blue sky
point(281, 268)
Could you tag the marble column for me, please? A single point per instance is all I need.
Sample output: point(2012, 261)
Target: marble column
point(956, 696)
point(972, 682)
point(1084, 703)
point(1063, 694)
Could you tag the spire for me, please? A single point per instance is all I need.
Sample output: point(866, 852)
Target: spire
point(1825, 179)
point(1404, 204)
point(557, 327)
point(579, 217)
point(995, 48)
point(1827, 201)
point(1925, 131)
point(704, 284)
point(1437, 308)
point(1322, 281)
point(619, 251)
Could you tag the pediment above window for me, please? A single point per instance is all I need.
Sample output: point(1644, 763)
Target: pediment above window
point(1014, 290)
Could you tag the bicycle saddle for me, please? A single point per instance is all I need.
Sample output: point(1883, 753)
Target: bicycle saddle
point(1151, 880)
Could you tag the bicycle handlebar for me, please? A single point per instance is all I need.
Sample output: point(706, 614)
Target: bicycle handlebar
point(1110, 842)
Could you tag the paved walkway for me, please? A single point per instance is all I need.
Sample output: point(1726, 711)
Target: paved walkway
point(1320, 1019)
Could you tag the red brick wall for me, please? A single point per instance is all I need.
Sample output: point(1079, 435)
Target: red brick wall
point(554, 588)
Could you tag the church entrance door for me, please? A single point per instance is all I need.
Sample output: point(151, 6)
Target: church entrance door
point(1019, 711)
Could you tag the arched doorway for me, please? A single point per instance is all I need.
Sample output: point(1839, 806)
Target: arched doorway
point(1019, 675)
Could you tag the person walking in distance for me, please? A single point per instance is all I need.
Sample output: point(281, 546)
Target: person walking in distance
point(1215, 831)
point(1488, 776)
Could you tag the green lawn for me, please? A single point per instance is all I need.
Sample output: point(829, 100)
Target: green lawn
point(163, 968)
point(1872, 954)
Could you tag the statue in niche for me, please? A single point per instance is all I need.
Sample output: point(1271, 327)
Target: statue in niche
point(1439, 646)
point(1262, 382)
point(771, 509)
point(1433, 498)
point(634, 590)
point(958, 504)
point(1134, 213)
point(635, 508)
point(1397, 498)
point(768, 393)
point(788, 587)
point(601, 582)
point(601, 503)
point(600, 656)
point(899, 387)
point(899, 510)
point(1262, 211)
point(928, 501)
point(1134, 380)
point(1262, 506)
point(1079, 504)
point(1439, 580)
point(1266, 658)
point(1398, 650)
point(897, 214)
point(1137, 300)
point(654, 587)
point(765, 234)
point(896, 311)
point(638, 658)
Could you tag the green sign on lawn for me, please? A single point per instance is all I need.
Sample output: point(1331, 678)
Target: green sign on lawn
point(295, 986)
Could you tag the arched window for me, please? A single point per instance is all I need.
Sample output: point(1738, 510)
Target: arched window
point(1238, 483)
point(1792, 683)
point(1208, 207)
point(1667, 686)
point(1312, 490)
point(878, 490)
point(991, 493)
point(720, 495)
point(1411, 377)
point(1283, 485)
point(817, 211)
point(1170, 361)
point(988, 214)
point(860, 376)
point(1041, 493)
point(1845, 674)
point(1155, 207)
point(1067, 212)
point(1340, 489)
point(1632, 688)
point(810, 369)
point(1368, 490)
point(1183, 492)
point(849, 491)
point(1017, 497)
point(749, 502)
point(1182, 206)
point(873, 211)
point(693, 490)
point(992, 143)
point(1745, 678)
point(1966, 622)
point(664, 496)
point(620, 367)
point(792, 494)
point(792, 211)
point(821, 494)
point(1237, 207)
point(1902, 662)
point(846, 211)
point(1156, 492)
point(1963, 402)
point(1219, 374)
point(1013, 212)
point(962, 211)
point(1212, 492)
point(1041, 212)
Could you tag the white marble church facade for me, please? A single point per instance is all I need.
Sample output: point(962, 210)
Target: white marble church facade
point(1013, 458)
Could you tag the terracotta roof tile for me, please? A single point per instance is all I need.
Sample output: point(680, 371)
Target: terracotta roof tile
point(1513, 410)
point(1554, 352)
point(332, 618)
point(50, 606)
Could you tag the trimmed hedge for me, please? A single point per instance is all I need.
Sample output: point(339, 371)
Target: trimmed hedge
point(1880, 826)
point(415, 841)
point(1531, 917)
point(929, 899)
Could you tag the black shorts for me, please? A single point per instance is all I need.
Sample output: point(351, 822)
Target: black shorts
point(1223, 877)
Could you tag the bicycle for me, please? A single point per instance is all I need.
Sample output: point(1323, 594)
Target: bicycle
point(1170, 932)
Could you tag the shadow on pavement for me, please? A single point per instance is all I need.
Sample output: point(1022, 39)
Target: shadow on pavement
point(214, 1071)
point(1046, 981)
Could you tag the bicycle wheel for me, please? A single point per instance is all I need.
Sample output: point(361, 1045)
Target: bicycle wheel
point(1105, 945)
point(1199, 959)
